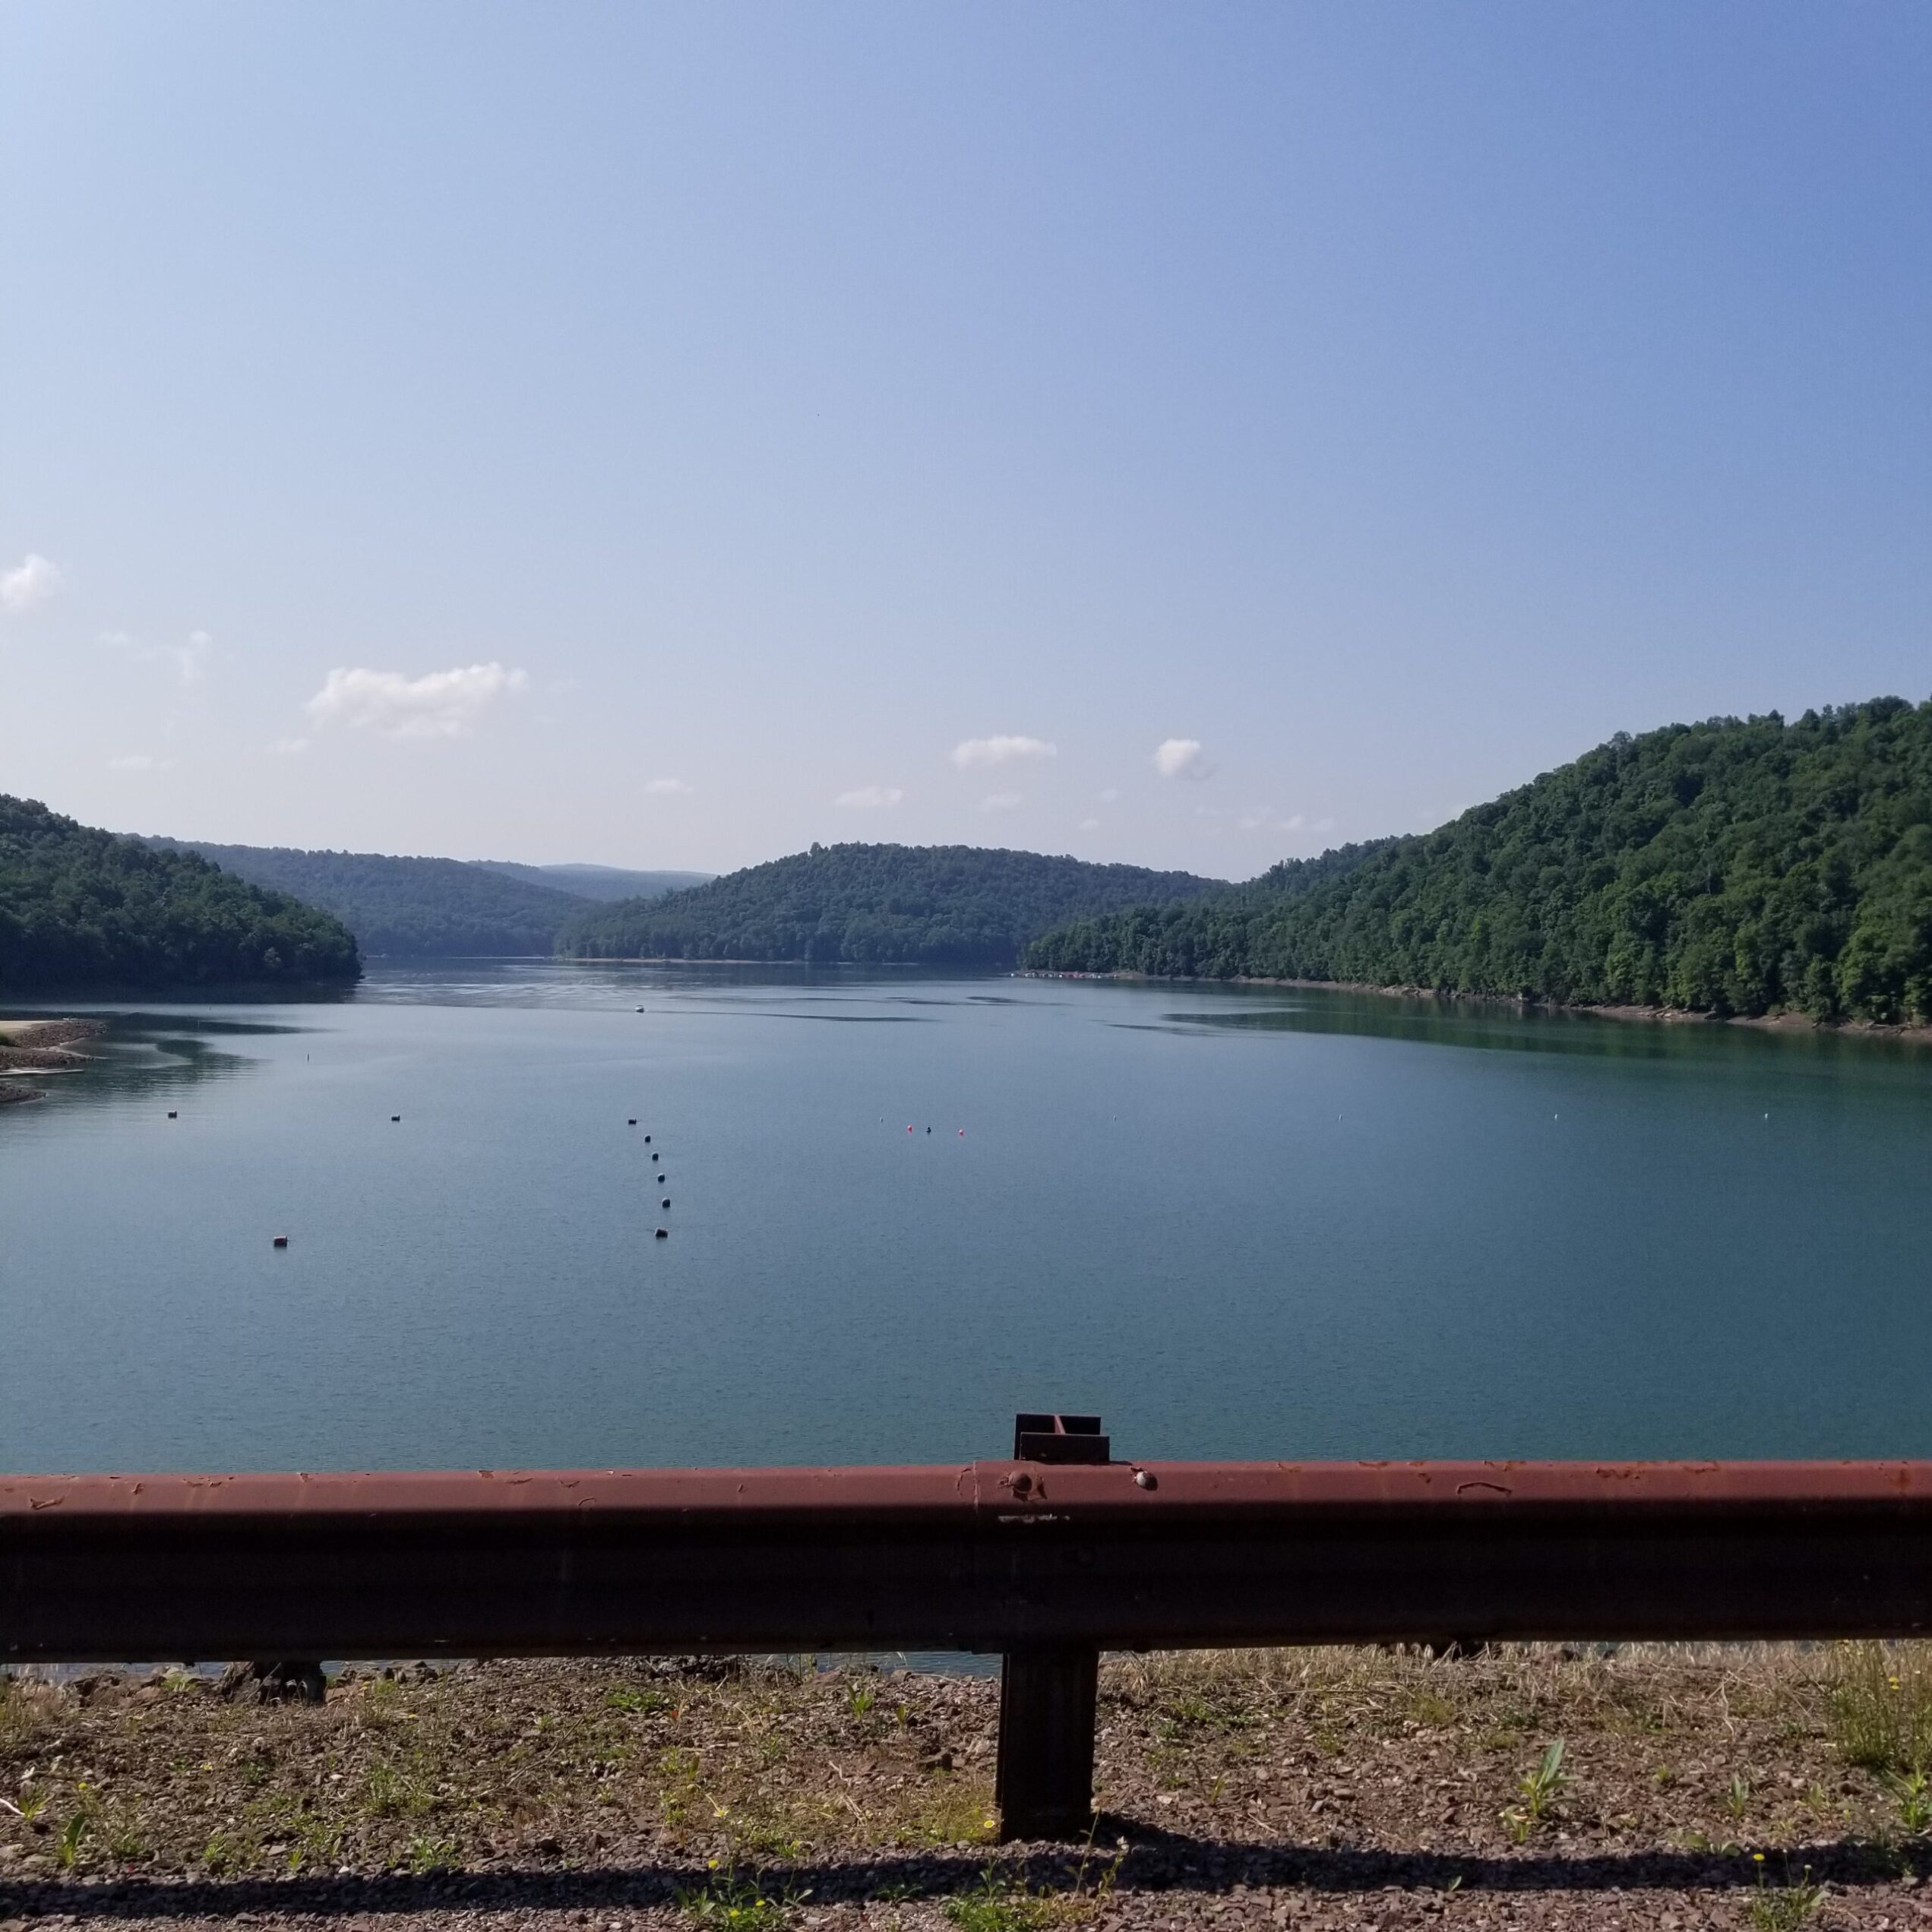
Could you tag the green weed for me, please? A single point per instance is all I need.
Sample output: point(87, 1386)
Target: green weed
point(639, 1703)
point(1782, 1908)
point(732, 1904)
point(1738, 1796)
point(1537, 1792)
point(430, 1854)
point(998, 1906)
point(68, 1847)
point(1912, 1793)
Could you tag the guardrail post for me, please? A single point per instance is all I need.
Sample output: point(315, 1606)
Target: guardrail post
point(1044, 1782)
point(1044, 1785)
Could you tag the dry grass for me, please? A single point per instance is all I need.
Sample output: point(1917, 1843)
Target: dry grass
point(1682, 1750)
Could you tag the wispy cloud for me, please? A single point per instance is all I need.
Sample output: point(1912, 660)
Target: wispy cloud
point(288, 747)
point(439, 704)
point(1089, 825)
point(870, 798)
point(139, 761)
point(1000, 800)
point(1182, 758)
point(1107, 797)
point(973, 751)
point(189, 660)
point(32, 580)
point(667, 788)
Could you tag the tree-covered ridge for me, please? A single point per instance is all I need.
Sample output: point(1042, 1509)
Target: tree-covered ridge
point(407, 907)
point(597, 881)
point(83, 908)
point(878, 904)
point(1735, 867)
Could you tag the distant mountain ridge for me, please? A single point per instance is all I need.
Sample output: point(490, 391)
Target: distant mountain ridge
point(85, 908)
point(600, 882)
point(1740, 866)
point(872, 904)
point(403, 908)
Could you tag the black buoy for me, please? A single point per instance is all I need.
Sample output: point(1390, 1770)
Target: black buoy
point(664, 1234)
point(648, 1141)
point(281, 1241)
point(634, 1123)
point(171, 1113)
point(653, 1159)
point(393, 1118)
point(665, 1202)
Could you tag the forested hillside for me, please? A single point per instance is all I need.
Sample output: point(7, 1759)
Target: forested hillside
point(81, 908)
point(403, 908)
point(1735, 867)
point(937, 905)
point(596, 881)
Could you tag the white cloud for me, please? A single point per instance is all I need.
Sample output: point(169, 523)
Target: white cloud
point(1000, 751)
point(439, 704)
point(140, 761)
point(1182, 758)
point(999, 800)
point(192, 658)
point(870, 798)
point(32, 580)
point(1107, 797)
point(667, 787)
point(1089, 825)
point(288, 747)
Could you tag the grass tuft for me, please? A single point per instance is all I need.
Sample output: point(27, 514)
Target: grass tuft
point(1881, 1706)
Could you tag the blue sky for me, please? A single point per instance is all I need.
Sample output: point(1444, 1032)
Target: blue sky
point(669, 435)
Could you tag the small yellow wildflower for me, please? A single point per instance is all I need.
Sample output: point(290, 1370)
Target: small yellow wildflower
point(1757, 1857)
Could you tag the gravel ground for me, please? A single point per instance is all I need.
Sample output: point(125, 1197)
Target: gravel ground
point(1757, 1787)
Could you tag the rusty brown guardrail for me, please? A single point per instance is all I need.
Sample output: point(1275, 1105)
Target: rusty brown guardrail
point(1045, 1562)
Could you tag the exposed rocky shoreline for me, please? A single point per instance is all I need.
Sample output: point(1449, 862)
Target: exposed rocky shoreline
point(1767, 1787)
point(40, 1046)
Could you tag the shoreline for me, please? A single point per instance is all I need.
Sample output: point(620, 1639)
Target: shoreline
point(41, 1046)
point(1783, 1022)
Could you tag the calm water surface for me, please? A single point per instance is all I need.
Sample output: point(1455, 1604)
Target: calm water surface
point(1241, 1222)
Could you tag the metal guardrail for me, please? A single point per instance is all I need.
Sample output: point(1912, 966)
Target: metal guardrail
point(1046, 1562)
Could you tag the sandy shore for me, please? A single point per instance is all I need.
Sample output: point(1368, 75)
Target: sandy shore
point(1759, 1787)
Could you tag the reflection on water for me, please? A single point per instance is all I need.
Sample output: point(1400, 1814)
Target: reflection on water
point(1240, 1221)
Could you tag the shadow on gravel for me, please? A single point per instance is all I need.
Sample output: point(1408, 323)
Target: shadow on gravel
point(1154, 1861)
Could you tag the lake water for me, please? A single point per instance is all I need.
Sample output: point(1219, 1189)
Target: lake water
point(1237, 1221)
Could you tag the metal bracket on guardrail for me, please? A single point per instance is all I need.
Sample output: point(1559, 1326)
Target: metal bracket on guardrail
point(1043, 1783)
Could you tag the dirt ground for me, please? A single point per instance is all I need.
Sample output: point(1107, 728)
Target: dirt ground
point(1766, 1787)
